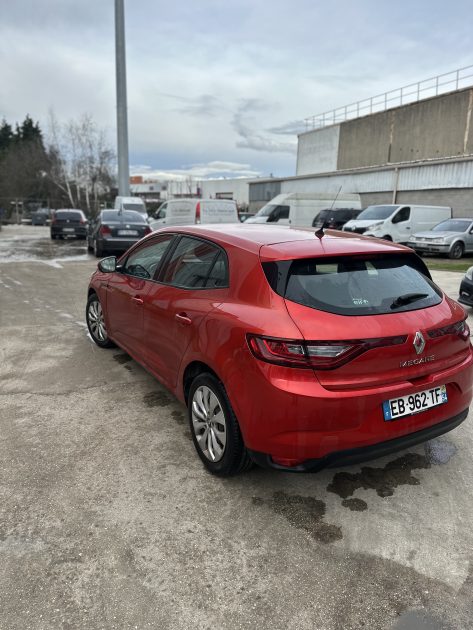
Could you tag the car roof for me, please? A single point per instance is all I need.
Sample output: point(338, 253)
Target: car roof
point(285, 242)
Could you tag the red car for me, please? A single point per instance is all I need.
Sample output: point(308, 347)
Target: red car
point(291, 349)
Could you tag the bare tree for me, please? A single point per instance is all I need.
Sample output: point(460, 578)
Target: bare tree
point(81, 161)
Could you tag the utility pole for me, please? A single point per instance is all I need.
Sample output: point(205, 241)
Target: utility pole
point(122, 120)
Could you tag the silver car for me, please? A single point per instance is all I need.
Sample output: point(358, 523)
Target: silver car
point(453, 237)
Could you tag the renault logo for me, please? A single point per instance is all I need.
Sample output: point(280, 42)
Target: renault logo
point(419, 342)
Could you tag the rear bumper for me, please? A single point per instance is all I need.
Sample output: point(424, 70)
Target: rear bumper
point(117, 244)
point(364, 453)
point(425, 248)
point(71, 231)
point(288, 415)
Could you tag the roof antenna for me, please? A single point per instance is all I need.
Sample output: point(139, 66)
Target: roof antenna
point(320, 232)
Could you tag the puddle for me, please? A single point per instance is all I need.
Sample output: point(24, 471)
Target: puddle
point(157, 399)
point(419, 620)
point(122, 358)
point(383, 480)
point(179, 417)
point(40, 248)
point(355, 505)
point(304, 513)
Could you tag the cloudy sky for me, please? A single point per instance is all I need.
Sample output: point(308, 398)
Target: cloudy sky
point(220, 87)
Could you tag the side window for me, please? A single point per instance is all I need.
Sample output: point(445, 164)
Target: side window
point(190, 263)
point(283, 212)
point(144, 262)
point(161, 214)
point(402, 215)
point(279, 212)
point(218, 276)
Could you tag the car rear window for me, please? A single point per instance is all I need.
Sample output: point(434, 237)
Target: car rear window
point(354, 285)
point(124, 216)
point(69, 214)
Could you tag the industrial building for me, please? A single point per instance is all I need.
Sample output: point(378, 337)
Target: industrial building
point(416, 152)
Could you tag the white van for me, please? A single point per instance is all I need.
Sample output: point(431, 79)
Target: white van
point(188, 211)
point(397, 222)
point(131, 203)
point(300, 209)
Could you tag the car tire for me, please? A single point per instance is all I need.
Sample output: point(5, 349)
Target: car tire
point(53, 237)
point(387, 238)
point(217, 439)
point(96, 322)
point(98, 249)
point(456, 251)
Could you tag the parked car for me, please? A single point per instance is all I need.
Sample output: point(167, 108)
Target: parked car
point(466, 288)
point(40, 217)
point(397, 222)
point(334, 218)
point(116, 231)
point(66, 223)
point(290, 350)
point(453, 237)
point(299, 209)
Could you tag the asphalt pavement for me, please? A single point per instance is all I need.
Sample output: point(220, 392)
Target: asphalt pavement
point(108, 519)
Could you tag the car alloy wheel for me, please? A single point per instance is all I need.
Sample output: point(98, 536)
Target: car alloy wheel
point(214, 427)
point(456, 251)
point(96, 322)
point(209, 423)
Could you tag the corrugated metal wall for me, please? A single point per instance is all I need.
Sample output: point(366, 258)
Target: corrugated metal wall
point(448, 183)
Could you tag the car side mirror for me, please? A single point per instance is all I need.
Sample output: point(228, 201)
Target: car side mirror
point(108, 265)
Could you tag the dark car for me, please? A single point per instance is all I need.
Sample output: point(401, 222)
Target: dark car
point(66, 223)
point(466, 289)
point(116, 231)
point(335, 218)
point(40, 217)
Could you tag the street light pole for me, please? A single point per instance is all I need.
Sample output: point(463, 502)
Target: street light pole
point(122, 122)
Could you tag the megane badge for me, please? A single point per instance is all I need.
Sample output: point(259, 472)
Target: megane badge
point(419, 342)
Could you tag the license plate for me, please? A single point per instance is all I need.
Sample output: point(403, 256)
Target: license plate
point(68, 229)
point(127, 233)
point(414, 403)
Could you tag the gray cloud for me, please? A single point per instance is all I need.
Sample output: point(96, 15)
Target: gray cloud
point(251, 139)
point(220, 81)
point(202, 105)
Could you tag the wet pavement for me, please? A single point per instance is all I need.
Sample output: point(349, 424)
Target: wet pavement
point(108, 520)
point(23, 243)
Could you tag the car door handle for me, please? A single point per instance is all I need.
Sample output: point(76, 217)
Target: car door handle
point(137, 300)
point(183, 319)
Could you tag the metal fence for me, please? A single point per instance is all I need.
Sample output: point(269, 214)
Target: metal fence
point(440, 84)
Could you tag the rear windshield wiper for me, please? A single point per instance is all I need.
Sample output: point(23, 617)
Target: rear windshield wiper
point(407, 298)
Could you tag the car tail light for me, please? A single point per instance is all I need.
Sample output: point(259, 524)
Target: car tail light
point(321, 355)
point(105, 230)
point(460, 329)
point(197, 213)
point(148, 230)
